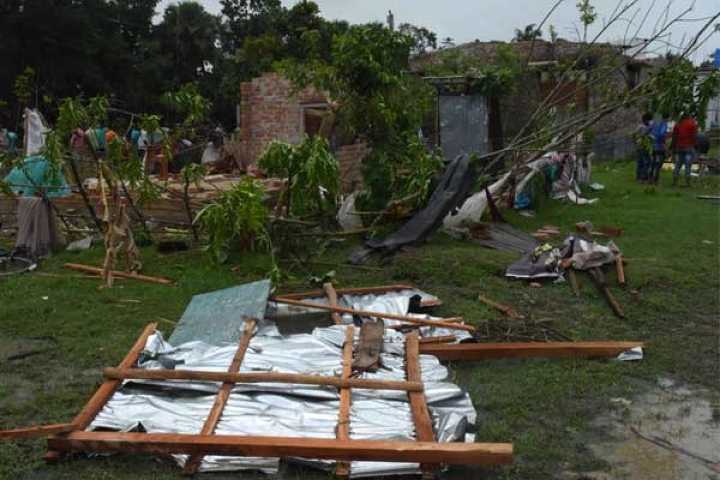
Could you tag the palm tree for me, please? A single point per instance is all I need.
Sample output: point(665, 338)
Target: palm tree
point(528, 34)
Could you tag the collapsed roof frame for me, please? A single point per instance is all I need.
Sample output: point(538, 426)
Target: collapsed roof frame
point(430, 454)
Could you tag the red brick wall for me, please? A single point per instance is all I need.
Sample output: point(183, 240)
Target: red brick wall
point(271, 110)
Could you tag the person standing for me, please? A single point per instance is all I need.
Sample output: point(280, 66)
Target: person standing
point(643, 141)
point(659, 135)
point(684, 138)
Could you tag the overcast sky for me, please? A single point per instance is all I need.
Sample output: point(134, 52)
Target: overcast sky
point(467, 20)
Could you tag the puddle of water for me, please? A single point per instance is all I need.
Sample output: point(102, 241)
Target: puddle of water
point(668, 413)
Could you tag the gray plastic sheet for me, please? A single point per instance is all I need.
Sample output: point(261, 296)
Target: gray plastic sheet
point(285, 409)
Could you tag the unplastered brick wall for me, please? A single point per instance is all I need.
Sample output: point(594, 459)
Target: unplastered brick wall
point(270, 109)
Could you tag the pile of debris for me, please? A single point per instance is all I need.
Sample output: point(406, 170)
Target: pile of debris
point(361, 391)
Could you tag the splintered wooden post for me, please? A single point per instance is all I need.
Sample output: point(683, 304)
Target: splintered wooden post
point(194, 461)
point(331, 295)
point(485, 351)
point(418, 404)
point(342, 469)
point(599, 278)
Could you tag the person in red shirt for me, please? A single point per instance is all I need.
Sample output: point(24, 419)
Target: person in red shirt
point(684, 138)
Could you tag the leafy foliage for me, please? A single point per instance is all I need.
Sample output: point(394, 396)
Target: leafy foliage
point(422, 38)
point(312, 173)
point(678, 90)
point(237, 218)
point(374, 99)
point(492, 79)
point(527, 34)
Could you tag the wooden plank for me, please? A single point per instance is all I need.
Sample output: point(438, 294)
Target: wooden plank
point(261, 377)
point(418, 404)
point(439, 339)
point(485, 351)
point(37, 431)
point(342, 469)
point(193, 463)
point(331, 295)
point(620, 270)
point(108, 388)
point(135, 276)
point(359, 291)
point(365, 313)
point(506, 309)
point(248, 446)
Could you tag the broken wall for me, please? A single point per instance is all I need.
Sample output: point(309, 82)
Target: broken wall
point(271, 109)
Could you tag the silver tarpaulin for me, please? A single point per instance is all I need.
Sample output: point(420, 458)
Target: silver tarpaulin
point(286, 410)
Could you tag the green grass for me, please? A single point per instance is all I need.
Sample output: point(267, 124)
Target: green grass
point(543, 406)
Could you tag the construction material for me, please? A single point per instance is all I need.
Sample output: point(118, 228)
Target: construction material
point(426, 303)
point(342, 431)
point(259, 377)
point(331, 295)
point(506, 309)
point(439, 339)
point(572, 279)
point(135, 276)
point(598, 278)
point(241, 445)
point(38, 431)
point(216, 318)
point(363, 313)
point(193, 463)
point(418, 403)
point(367, 355)
point(486, 351)
point(620, 270)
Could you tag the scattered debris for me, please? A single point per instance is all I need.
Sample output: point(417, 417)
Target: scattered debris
point(546, 232)
point(80, 245)
point(135, 276)
point(502, 236)
point(507, 310)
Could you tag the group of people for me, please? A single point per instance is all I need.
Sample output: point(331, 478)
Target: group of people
point(652, 137)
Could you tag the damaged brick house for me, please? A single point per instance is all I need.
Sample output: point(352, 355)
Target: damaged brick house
point(546, 60)
point(270, 109)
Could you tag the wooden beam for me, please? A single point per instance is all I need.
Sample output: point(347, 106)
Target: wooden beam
point(418, 404)
point(439, 339)
point(96, 403)
point(342, 469)
point(250, 446)
point(506, 309)
point(193, 463)
point(260, 377)
point(359, 291)
point(331, 295)
point(108, 388)
point(135, 276)
point(364, 313)
point(620, 270)
point(37, 431)
point(485, 351)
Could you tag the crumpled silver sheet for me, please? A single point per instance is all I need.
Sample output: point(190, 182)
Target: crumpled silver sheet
point(285, 409)
point(395, 302)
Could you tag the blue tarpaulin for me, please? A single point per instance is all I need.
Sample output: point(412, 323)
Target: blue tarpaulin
point(36, 174)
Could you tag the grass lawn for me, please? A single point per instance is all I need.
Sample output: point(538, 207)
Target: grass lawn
point(544, 407)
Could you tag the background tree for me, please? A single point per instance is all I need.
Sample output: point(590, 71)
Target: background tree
point(422, 38)
point(527, 34)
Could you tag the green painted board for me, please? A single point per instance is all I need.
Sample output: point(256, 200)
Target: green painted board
point(217, 317)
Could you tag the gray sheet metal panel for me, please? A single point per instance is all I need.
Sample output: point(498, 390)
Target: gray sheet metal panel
point(463, 125)
point(217, 317)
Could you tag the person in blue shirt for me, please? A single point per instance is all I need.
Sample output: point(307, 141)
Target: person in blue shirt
point(658, 132)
